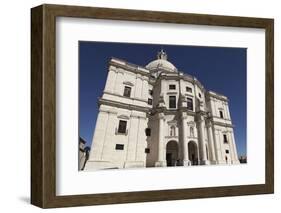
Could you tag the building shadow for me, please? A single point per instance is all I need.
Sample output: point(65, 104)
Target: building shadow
point(24, 199)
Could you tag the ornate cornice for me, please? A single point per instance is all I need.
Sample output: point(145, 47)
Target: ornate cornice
point(172, 93)
point(211, 94)
point(173, 123)
point(223, 124)
point(126, 117)
point(123, 105)
point(129, 67)
point(137, 116)
point(181, 76)
point(128, 83)
point(108, 111)
point(114, 94)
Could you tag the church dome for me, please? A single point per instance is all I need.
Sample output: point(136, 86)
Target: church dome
point(161, 63)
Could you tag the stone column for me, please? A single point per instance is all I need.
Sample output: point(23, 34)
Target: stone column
point(214, 107)
point(186, 161)
point(99, 136)
point(160, 160)
point(138, 87)
point(235, 160)
point(227, 110)
point(203, 154)
point(144, 93)
point(163, 91)
point(141, 141)
point(110, 81)
point(216, 145)
point(119, 86)
point(231, 149)
point(132, 140)
point(211, 142)
point(163, 86)
point(221, 147)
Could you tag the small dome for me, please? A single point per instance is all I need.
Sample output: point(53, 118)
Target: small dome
point(161, 63)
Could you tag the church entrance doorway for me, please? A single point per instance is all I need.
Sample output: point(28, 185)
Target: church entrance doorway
point(193, 153)
point(172, 153)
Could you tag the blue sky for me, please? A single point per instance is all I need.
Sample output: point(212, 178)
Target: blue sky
point(219, 69)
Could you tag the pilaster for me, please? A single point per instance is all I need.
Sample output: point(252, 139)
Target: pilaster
point(235, 160)
point(111, 78)
point(211, 142)
point(203, 154)
point(160, 158)
point(186, 161)
point(99, 136)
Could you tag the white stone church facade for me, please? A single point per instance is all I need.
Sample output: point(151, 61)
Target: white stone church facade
point(157, 116)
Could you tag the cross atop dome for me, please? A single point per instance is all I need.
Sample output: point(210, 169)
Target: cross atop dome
point(162, 55)
point(161, 63)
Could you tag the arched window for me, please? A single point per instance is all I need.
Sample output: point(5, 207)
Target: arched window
point(173, 131)
point(191, 131)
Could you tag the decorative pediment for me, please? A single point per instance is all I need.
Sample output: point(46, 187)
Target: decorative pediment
point(191, 123)
point(172, 123)
point(172, 93)
point(123, 117)
point(128, 83)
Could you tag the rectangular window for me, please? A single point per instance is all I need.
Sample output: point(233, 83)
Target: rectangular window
point(119, 147)
point(149, 101)
point(127, 91)
point(172, 86)
point(227, 151)
point(147, 150)
point(188, 89)
point(221, 114)
point(189, 104)
point(224, 138)
point(122, 127)
point(172, 102)
point(147, 131)
point(150, 92)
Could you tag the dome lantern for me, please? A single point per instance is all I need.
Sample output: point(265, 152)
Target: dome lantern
point(161, 63)
point(162, 55)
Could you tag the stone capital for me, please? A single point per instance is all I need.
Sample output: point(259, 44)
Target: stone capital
point(209, 123)
point(184, 115)
point(119, 70)
point(112, 68)
point(139, 76)
point(200, 119)
point(161, 116)
point(144, 78)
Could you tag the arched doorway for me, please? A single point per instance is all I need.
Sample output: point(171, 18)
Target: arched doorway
point(172, 153)
point(193, 153)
